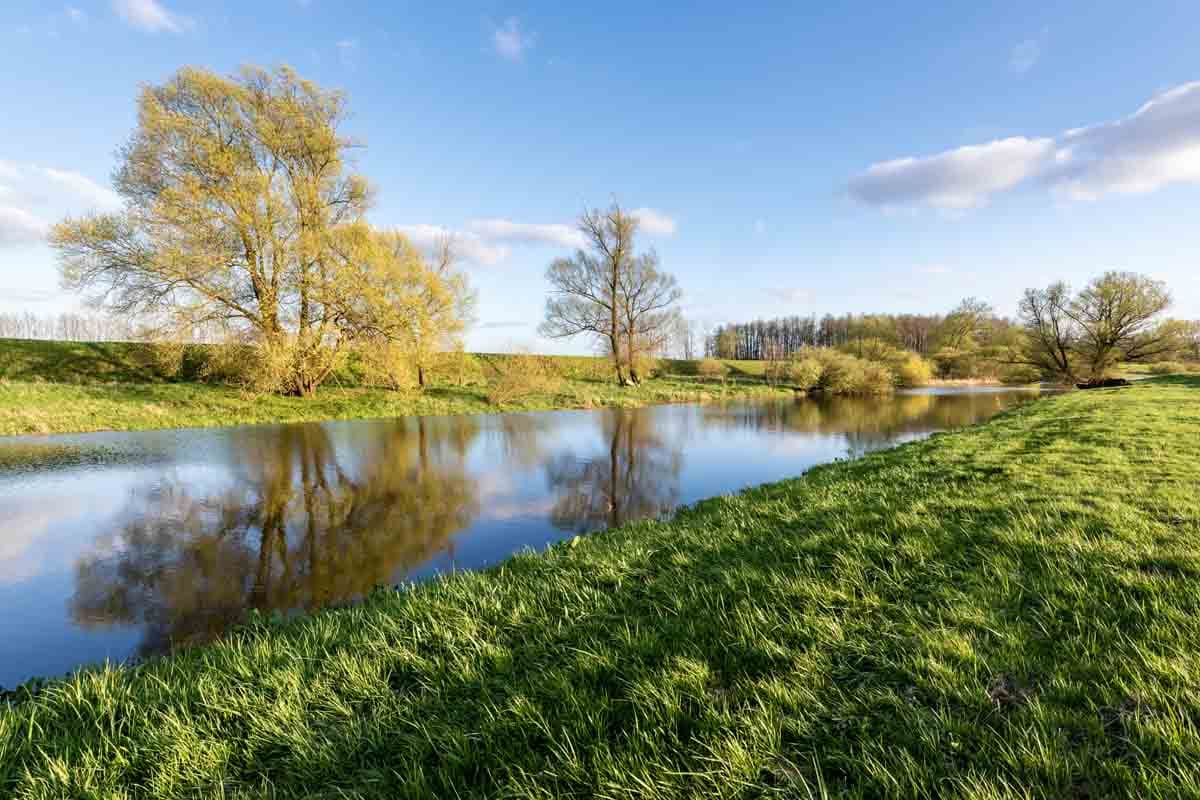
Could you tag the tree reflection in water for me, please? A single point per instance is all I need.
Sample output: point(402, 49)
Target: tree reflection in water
point(304, 524)
point(637, 478)
point(867, 423)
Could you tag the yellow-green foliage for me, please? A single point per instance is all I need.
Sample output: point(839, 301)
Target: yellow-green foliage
point(842, 373)
point(523, 374)
point(806, 372)
point(912, 370)
point(907, 368)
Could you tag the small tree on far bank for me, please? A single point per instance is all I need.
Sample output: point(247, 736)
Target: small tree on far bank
point(622, 300)
point(1116, 318)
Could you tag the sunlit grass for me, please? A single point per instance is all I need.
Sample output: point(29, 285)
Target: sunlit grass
point(58, 407)
point(1011, 610)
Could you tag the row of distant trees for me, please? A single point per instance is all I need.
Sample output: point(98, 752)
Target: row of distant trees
point(1078, 336)
point(67, 326)
point(923, 334)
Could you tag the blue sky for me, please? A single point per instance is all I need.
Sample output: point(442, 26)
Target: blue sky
point(790, 157)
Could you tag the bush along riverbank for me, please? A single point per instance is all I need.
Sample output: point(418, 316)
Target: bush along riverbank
point(1011, 610)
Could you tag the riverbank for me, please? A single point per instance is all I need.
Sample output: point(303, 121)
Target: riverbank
point(79, 387)
point(45, 408)
point(1008, 610)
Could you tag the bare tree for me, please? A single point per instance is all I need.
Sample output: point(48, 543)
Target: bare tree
point(1115, 318)
point(607, 292)
point(1050, 332)
point(646, 297)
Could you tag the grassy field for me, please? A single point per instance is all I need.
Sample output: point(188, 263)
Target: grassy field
point(61, 387)
point(1011, 610)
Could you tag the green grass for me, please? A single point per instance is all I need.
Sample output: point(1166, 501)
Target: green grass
point(27, 408)
point(68, 387)
point(1011, 610)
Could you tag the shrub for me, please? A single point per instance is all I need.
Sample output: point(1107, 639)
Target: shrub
point(912, 370)
point(806, 372)
point(1020, 373)
point(385, 364)
point(841, 373)
point(522, 374)
point(712, 369)
point(876, 379)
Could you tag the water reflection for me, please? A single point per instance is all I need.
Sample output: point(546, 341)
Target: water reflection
point(635, 478)
point(131, 544)
point(304, 524)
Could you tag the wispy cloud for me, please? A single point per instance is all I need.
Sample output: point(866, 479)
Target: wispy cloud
point(492, 240)
point(30, 195)
point(654, 222)
point(83, 187)
point(76, 15)
point(957, 179)
point(510, 41)
point(934, 269)
point(1157, 145)
point(503, 230)
point(470, 246)
point(19, 227)
point(151, 16)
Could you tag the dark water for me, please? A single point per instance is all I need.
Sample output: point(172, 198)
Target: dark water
point(118, 545)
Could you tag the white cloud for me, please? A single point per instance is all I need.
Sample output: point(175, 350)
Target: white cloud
point(76, 15)
point(347, 44)
point(83, 187)
point(19, 227)
point(503, 230)
point(470, 245)
point(150, 16)
point(1024, 56)
point(490, 241)
point(956, 179)
point(30, 195)
point(510, 41)
point(654, 222)
point(934, 269)
point(1158, 145)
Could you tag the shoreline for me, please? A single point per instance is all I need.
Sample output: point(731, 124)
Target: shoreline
point(922, 593)
point(48, 409)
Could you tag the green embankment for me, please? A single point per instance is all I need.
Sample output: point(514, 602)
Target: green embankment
point(60, 387)
point(1011, 610)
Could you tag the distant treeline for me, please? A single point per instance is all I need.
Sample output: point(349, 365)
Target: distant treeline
point(72, 326)
point(66, 327)
point(924, 334)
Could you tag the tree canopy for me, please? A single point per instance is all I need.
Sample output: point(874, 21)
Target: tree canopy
point(241, 214)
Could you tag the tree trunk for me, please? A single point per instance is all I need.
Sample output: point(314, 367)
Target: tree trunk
point(420, 376)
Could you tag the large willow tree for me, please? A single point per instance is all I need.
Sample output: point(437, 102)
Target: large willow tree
point(241, 214)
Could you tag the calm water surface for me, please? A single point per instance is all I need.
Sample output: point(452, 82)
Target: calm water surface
point(119, 545)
